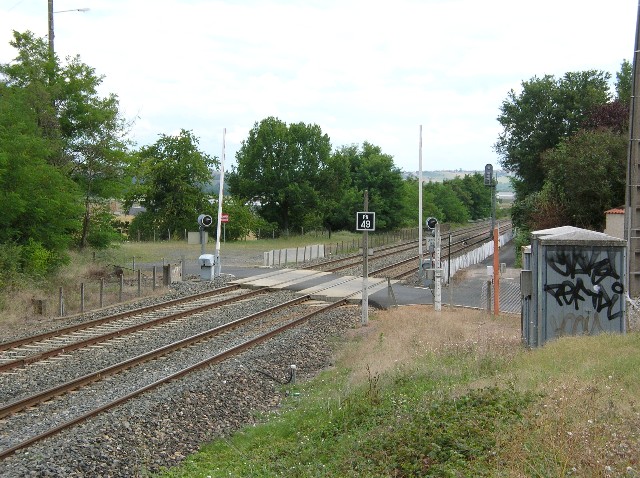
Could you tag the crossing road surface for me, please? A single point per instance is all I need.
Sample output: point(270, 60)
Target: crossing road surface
point(467, 289)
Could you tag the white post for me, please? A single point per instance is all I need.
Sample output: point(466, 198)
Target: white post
point(420, 253)
point(217, 268)
point(437, 299)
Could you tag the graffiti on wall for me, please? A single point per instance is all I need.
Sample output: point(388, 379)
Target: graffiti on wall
point(585, 280)
point(574, 324)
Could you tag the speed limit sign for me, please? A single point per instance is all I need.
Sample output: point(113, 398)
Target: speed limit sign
point(365, 221)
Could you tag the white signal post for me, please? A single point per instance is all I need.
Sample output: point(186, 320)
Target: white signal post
point(437, 287)
point(420, 252)
point(217, 266)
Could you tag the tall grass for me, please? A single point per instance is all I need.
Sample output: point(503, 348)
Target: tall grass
point(420, 393)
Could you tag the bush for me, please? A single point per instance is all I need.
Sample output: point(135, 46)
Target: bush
point(38, 261)
point(9, 264)
point(102, 233)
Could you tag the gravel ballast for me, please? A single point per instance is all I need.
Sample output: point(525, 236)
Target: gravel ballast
point(160, 428)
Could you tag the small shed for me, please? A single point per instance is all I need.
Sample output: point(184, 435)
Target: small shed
point(572, 283)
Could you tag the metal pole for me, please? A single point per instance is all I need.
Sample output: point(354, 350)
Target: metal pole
point(51, 49)
point(61, 301)
point(632, 193)
point(216, 269)
point(496, 273)
point(365, 266)
point(437, 300)
point(420, 252)
point(493, 203)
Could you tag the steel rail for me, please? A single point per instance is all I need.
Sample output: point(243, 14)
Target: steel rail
point(66, 387)
point(481, 239)
point(202, 364)
point(21, 362)
point(94, 323)
point(405, 246)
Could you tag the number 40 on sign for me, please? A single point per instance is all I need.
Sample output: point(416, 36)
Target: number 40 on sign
point(365, 221)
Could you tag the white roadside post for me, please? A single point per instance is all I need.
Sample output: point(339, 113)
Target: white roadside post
point(365, 221)
point(437, 299)
point(217, 265)
point(420, 252)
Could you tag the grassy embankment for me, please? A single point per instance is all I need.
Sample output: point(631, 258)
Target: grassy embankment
point(419, 393)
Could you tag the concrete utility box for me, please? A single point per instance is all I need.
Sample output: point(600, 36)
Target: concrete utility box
point(574, 282)
point(207, 262)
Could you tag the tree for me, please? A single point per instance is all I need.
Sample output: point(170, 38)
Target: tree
point(375, 171)
point(168, 183)
point(41, 206)
point(93, 135)
point(475, 196)
point(624, 81)
point(586, 175)
point(85, 132)
point(535, 120)
point(278, 169)
point(451, 208)
point(242, 220)
point(339, 198)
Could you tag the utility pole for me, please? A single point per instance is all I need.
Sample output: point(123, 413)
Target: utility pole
point(218, 266)
point(51, 49)
point(420, 225)
point(632, 199)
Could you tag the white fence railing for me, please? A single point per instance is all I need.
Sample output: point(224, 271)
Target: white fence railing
point(293, 255)
point(474, 257)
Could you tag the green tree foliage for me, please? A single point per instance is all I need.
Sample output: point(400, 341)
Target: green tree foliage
point(586, 175)
point(624, 80)
point(278, 168)
point(40, 205)
point(371, 169)
point(566, 141)
point(455, 201)
point(536, 119)
point(84, 132)
point(93, 135)
point(242, 220)
point(339, 200)
point(474, 195)
point(169, 178)
point(448, 204)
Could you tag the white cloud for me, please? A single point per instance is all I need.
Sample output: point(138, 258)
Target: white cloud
point(362, 70)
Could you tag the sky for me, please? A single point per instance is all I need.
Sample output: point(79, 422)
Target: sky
point(361, 70)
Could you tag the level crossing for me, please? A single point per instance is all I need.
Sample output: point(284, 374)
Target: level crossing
point(319, 285)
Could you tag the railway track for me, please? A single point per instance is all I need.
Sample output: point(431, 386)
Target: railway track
point(43, 396)
point(400, 261)
point(259, 327)
point(29, 350)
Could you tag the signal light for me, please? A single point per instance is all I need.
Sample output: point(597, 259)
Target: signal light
point(205, 220)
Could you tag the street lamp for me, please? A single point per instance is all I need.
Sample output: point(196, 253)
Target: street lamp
point(51, 12)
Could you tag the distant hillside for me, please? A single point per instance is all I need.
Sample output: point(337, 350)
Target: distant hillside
point(504, 185)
